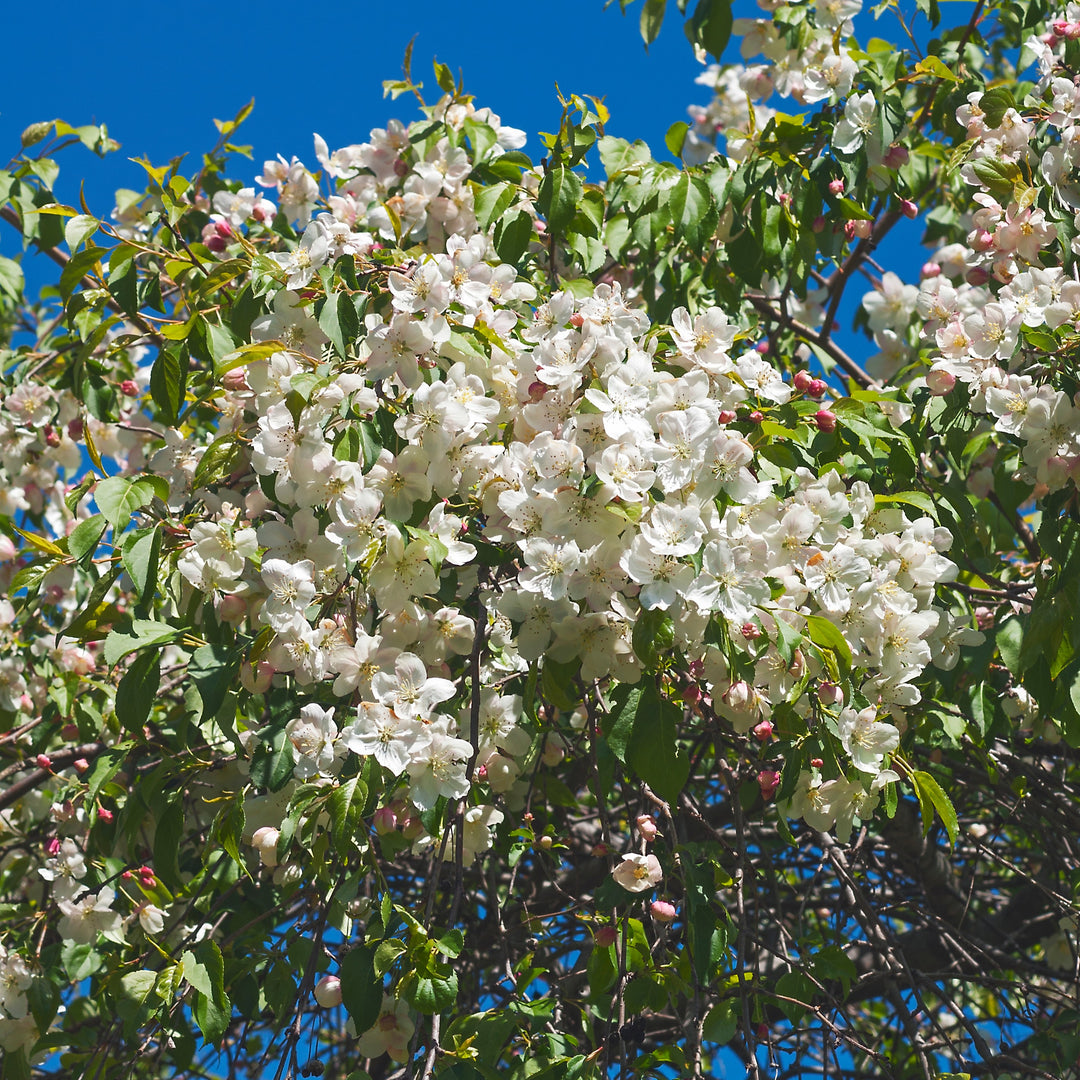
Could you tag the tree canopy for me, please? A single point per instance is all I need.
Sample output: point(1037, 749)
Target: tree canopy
point(477, 614)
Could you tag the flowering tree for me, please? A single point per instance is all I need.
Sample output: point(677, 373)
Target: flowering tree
point(468, 617)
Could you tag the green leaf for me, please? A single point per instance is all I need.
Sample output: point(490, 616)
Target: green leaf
point(168, 384)
point(995, 104)
point(826, 635)
point(641, 730)
point(361, 988)
point(204, 969)
point(796, 991)
point(346, 805)
point(492, 202)
point(927, 787)
point(86, 536)
point(78, 228)
point(272, 762)
point(140, 554)
point(139, 634)
point(675, 138)
point(118, 498)
point(168, 835)
point(721, 1023)
point(512, 236)
point(618, 154)
point(137, 690)
point(691, 209)
point(11, 278)
point(339, 321)
point(652, 18)
point(213, 670)
point(710, 26)
point(558, 198)
point(433, 995)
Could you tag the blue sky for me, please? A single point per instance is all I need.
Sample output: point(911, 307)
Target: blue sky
point(158, 74)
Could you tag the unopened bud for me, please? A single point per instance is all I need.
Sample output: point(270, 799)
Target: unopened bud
point(818, 388)
point(726, 416)
point(662, 911)
point(385, 820)
point(895, 156)
point(829, 693)
point(328, 991)
point(104, 814)
point(606, 936)
point(908, 208)
point(44, 761)
point(803, 381)
point(768, 781)
point(763, 731)
point(862, 228)
point(646, 826)
point(756, 416)
point(930, 270)
point(977, 275)
point(939, 383)
point(34, 133)
point(836, 187)
point(825, 420)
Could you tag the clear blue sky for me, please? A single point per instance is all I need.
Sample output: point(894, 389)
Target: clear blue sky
point(158, 74)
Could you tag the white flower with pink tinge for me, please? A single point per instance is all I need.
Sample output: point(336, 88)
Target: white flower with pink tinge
point(390, 1034)
point(637, 873)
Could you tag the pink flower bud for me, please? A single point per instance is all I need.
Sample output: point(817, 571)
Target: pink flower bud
point(235, 380)
point(223, 228)
point(577, 320)
point(977, 275)
point(768, 781)
point(127, 875)
point(909, 209)
point(214, 241)
point(756, 416)
point(750, 631)
point(232, 608)
point(606, 936)
point(849, 230)
point(818, 224)
point(762, 348)
point(385, 820)
point(726, 416)
point(982, 240)
point(646, 826)
point(825, 420)
point(939, 383)
point(44, 761)
point(895, 156)
point(816, 762)
point(863, 228)
point(803, 381)
point(80, 765)
point(692, 694)
point(930, 270)
point(828, 693)
point(662, 911)
point(601, 849)
point(401, 167)
point(129, 389)
point(328, 991)
point(836, 187)
point(104, 814)
point(818, 388)
point(53, 846)
point(51, 437)
point(763, 731)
